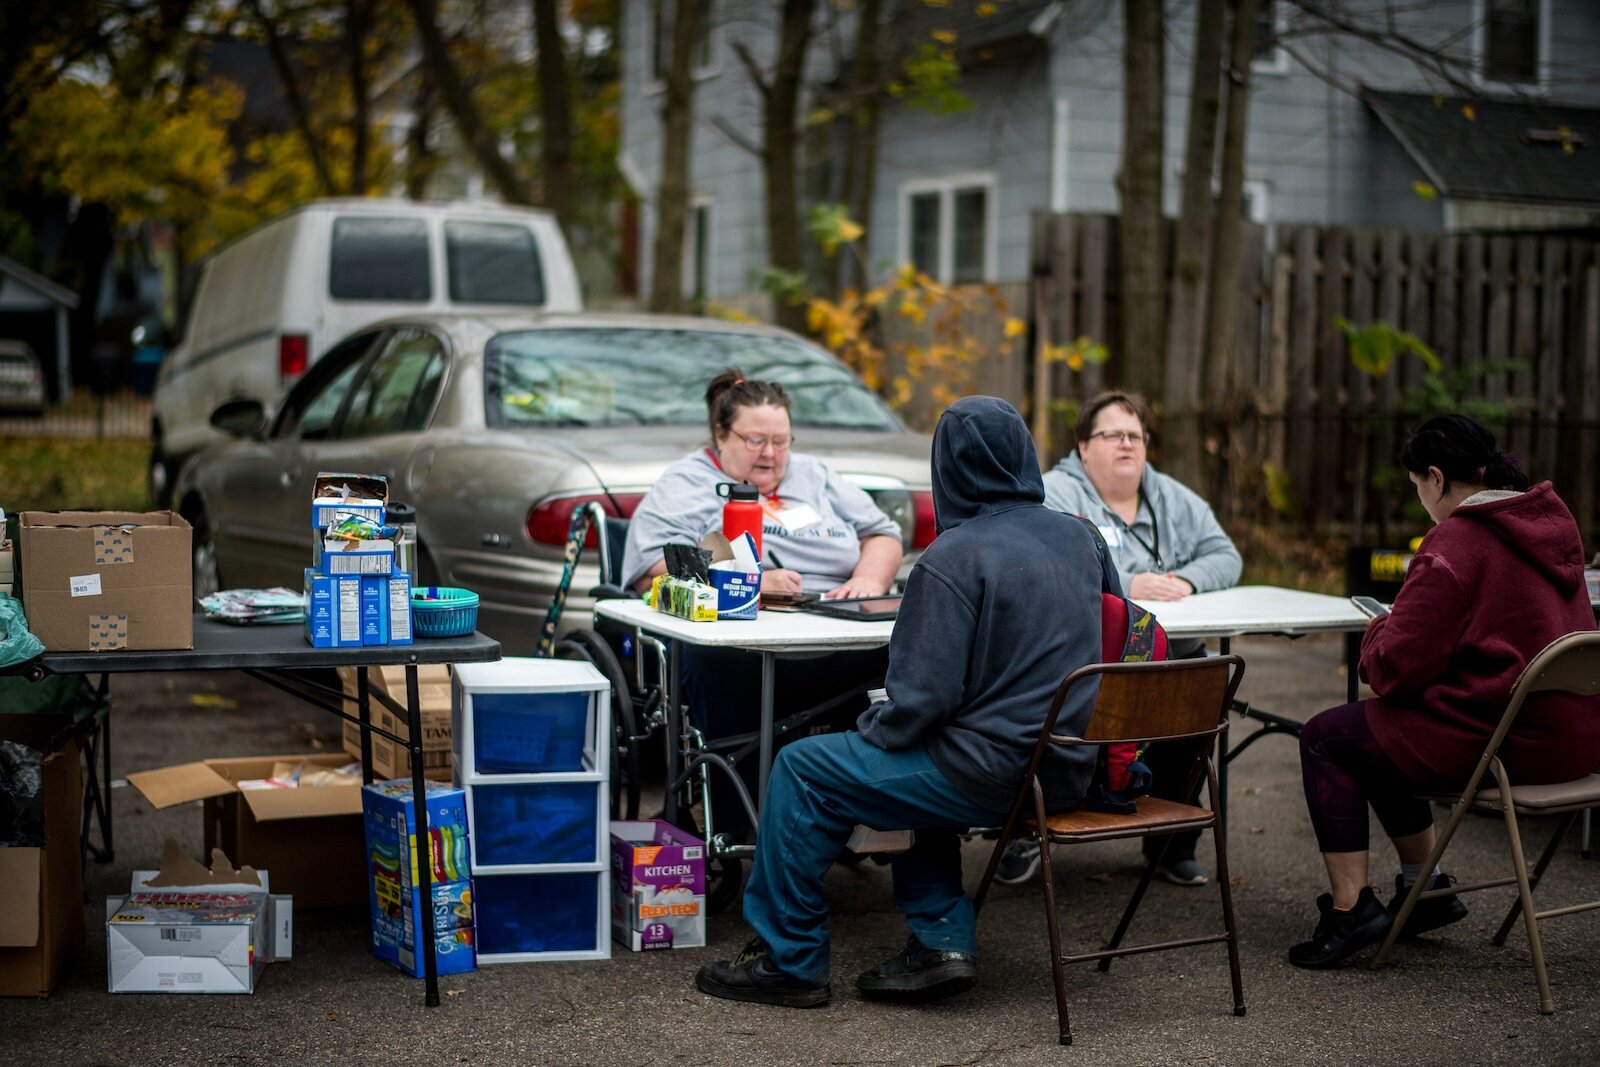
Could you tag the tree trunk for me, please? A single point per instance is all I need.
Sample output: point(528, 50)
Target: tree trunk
point(555, 112)
point(463, 110)
point(1221, 406)
point(672, 194)
point(1142, 271)
point(859, 110)
point(287, 77)
point(1180, 395)
point(357, 24)
point(780, 149)
point(421, 159)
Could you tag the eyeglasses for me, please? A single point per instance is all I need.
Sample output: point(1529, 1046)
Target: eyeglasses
point(755, 442)
point(1123, 437)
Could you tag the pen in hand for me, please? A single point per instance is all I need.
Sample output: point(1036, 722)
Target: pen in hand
point(776, 562)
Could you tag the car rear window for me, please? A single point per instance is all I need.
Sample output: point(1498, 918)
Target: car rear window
point(493, 263)
point(641, 377)
point(379, 259)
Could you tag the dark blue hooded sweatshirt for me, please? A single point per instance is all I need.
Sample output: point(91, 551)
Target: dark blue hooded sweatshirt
point(998, 610)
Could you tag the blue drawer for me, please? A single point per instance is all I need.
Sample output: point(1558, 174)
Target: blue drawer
point(535, 822)
point(539, 913)
point(530, 733)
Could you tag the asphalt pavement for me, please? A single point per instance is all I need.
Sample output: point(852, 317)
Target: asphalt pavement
point(1450, 999)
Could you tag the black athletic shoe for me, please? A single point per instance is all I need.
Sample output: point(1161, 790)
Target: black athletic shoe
point(751, 977)
point(1342, 933)
point(919, 973)
point(1428, 914)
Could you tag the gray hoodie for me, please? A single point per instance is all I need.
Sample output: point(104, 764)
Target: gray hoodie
point(1174, 529)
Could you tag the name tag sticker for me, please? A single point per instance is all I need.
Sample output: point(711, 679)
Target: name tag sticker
point(1112, 535)
point(795, 517)
point(85, 585)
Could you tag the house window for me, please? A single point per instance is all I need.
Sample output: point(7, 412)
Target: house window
point(697, 254)
point(1270, 57)
point(1512, 38)
point(664, 14)
point(947, 228)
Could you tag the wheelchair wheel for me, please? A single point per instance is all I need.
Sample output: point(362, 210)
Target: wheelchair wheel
point(624, 783)
point(724, 878)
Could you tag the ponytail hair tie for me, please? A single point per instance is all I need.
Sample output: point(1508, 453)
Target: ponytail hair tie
point(1479, 476)
point(738, 381)
point(1513, 461)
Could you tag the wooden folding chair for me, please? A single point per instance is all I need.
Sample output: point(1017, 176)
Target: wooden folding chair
point(1569, 664)
point(1159, 701)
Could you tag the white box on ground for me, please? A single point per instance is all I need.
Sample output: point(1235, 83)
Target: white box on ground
point(185, 929)
point(866, 839)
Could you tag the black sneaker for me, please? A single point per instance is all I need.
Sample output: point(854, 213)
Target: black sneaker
point(1342, 933)
point(750, 976)
point(919, 973)
point(1428, 914)
point(1019, 862)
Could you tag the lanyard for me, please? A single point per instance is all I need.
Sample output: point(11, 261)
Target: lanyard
point(772, 505)
point(1155, 533)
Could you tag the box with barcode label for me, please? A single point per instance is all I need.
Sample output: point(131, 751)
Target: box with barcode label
point(658, 886)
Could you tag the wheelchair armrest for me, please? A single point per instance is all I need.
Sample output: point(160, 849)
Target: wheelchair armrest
point(608, 591)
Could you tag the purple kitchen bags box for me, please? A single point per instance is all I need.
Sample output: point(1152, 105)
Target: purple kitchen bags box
point(658, 886)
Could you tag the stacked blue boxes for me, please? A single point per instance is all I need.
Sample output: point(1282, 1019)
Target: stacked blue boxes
point(396, 900)
point(530, 740)
point(355, 595)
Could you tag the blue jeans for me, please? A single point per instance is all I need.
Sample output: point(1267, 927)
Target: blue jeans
point(820, 788)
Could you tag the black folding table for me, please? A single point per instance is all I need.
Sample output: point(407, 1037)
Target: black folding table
point(279, 655)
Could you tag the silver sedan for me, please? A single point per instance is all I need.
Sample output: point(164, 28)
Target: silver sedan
point(496, 428)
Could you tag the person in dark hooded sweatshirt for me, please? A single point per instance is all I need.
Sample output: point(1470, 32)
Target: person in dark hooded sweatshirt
point(1499, 577)
point(998, 610)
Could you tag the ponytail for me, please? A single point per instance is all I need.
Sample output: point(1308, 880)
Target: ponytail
point(1464, 452)
point(730, 391)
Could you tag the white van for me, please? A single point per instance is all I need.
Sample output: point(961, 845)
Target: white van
point(270, 303)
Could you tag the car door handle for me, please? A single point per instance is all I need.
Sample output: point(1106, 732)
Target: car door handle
point(288, 478)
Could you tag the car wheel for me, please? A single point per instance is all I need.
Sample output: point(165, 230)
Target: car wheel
point(207, 577)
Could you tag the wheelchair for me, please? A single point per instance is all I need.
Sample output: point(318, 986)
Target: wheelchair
point(651, 726)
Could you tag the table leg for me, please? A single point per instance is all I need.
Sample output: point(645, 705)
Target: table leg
point(769, 679)
point(1225, 646)
point(419, 808)
point(364, 709)
point(674, 728)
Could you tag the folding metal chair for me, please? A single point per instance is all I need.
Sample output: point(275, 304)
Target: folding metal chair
point(1139, 702)
point(1569, 664)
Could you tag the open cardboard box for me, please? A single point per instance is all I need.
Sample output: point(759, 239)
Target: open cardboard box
point(188, 928)
point(41, 889)
point(310, 838)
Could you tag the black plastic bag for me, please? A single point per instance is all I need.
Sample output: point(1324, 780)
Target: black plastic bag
point(21, 796)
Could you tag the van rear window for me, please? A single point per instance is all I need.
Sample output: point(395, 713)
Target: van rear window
point(493, 263)
point(379, 259)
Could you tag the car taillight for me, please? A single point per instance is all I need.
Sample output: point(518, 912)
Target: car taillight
point(549, 519)
point(926, 527)
point(293, 355)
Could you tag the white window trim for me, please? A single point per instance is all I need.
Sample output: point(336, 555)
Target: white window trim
point(1275, 62)
point(1259, 190)
point(691, 237)
point(654, 85)
point(1480, 41)
point(1060, 135)
point(946, 187)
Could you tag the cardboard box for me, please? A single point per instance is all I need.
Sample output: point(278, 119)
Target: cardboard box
point(98, 581)
point(357, 557)
point(398, 611)
point(391, 760)
point(396, 900)
point(41, 889)
point(187, 929)
point(335, 495)
point(333, 610)
point(309, 838)
point(658, 886)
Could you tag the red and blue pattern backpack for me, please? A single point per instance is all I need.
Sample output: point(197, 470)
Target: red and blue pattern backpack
point(1128, 634)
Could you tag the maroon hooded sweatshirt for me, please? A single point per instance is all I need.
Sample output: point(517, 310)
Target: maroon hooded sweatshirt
point(1490, 586)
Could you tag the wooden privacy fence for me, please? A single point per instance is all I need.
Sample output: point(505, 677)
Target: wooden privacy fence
point(1515, 317)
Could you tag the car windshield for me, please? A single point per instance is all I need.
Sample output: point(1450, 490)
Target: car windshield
point(642, 377)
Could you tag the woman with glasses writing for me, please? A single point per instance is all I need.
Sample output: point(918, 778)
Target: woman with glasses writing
point(820, 534)
point(1165, 543)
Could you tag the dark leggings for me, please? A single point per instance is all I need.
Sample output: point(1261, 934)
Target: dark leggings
point(1345, 769)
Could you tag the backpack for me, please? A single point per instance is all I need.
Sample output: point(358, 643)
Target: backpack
point(1128, 634)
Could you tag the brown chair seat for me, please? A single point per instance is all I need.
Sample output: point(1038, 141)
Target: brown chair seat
point(1154, 814)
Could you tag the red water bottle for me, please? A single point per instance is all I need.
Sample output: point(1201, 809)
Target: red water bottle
point(742, 513)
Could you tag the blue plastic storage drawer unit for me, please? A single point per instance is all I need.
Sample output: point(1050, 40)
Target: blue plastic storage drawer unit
point(529, 716)
point(523, 918)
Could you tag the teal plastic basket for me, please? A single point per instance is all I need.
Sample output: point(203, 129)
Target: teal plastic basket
point(441, 611)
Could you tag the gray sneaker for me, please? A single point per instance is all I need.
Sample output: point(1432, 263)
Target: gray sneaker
point(1019, 862)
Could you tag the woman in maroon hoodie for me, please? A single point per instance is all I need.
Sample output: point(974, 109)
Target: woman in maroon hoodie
point(1499, 577)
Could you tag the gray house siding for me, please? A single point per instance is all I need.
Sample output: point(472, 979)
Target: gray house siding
point(1317, 153)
